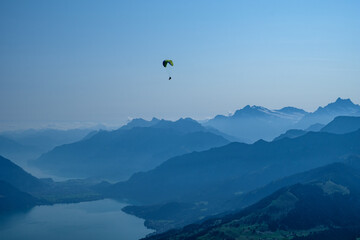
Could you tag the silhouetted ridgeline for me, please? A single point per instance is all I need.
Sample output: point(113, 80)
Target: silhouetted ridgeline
point(340, 125)
point(325, 206)
point(23, 145)
point(120, 153)
point(194, 186)
point(194, 176)
point(24, 190)
point(254, 122)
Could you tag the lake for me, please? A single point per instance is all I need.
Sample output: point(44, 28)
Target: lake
point(101, 219)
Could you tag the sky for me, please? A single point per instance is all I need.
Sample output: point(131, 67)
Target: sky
point(84, 61)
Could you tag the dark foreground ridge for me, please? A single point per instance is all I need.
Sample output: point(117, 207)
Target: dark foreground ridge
point(326, 208)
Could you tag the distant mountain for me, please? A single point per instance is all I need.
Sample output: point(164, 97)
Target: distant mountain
point(292, 111)
point(254, 122)
point(45, 191)
point(8, 145)
point(139, 122)
point(12, 199)
point(315, 127)
point(292, 133)
point(323, 115)
point(183, 125)
point(234, 168)
point(120, 153)
point(32, 143)
point(12, 149)
point(325, 207)
point(342, 124)
point(46, 139)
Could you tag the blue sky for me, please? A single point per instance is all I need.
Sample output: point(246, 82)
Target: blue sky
point(100, 61)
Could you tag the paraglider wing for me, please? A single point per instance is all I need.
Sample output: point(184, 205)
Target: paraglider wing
point(166, 62)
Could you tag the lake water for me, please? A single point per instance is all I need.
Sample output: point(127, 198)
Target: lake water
point(100, 220)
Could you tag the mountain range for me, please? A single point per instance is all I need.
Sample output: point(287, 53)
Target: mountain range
point(320, 204)
point(181, 172)
point(193, 186)
point(120, 153)
point(12, 149)
point(252, 123)
point(340, 125)
point(236, 167)
point(23, 145)
point(323, 115)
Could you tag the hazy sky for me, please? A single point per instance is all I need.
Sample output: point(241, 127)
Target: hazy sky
point(100, 61)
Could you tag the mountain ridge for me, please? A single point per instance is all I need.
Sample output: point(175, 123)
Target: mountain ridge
point(191, 175)
point(310, 210)
point(256, 122)
point(126, 151)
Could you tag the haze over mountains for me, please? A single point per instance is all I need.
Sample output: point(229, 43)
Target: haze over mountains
point(120, 153)
point(207, 183)
point(23, 145)
point(20, 190)
point(181, 172)
point(253, 122)
point(323, 115)
point(340, 125)
point(244, 166)
point(149, 143)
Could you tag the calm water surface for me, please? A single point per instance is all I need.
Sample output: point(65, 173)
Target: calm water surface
point(101, 220)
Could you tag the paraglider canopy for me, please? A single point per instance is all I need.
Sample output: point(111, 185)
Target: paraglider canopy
point(166, 62)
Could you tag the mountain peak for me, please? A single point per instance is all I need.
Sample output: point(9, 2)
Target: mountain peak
point(184, 125)
point(292, 110)
point(251, 111)
point(140, 122)
point(341, 105)
point(341, 100)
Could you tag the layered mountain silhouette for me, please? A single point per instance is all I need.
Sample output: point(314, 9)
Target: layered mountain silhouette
point(254, 122)
point(23, 145)
point(315, 127)
point(292, 133)
point(46, 139)
point(17, 177)
point(340, 125)
point(120, 153)
point(17, 183)
point(176, 214)
point(139, 122)
point(323, 115)
point(162, 217)
point(12, 149)
point(325, 205)
point(235, 168)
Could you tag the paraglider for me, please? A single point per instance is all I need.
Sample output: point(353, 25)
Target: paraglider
point(165, 64)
